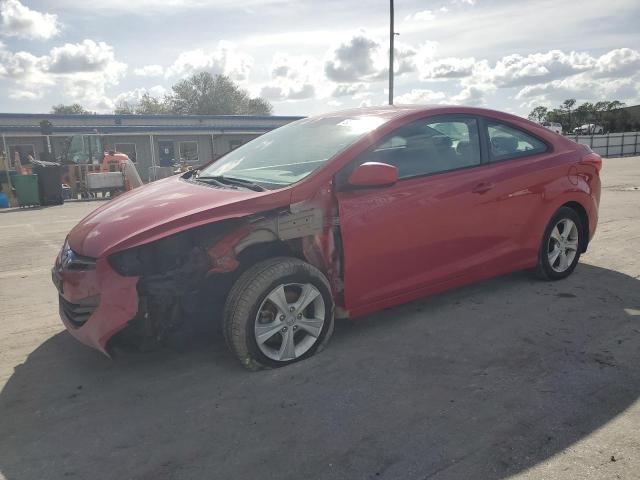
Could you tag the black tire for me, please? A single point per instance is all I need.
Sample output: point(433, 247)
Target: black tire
point(544, 269)
point(249, 292)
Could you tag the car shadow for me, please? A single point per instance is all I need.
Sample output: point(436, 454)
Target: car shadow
point(481, 382)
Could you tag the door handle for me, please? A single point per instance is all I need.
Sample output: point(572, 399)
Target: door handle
point(483, 187)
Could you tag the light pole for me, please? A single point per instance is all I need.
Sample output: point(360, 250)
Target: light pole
point(391, 39)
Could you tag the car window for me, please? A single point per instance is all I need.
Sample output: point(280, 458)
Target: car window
point(393, 142)
point(429, 146)
point(508, 142)
point(288, 154)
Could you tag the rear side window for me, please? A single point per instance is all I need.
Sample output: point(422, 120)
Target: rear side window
point(507, 142)
point(428, 146)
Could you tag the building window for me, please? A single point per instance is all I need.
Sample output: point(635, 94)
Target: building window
point(188, 152)
point(129, 149)
point(25, 153)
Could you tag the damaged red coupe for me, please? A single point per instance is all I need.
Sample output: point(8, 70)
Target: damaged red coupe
point(333, 216)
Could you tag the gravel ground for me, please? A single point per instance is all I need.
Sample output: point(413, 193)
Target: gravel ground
point(510, 378)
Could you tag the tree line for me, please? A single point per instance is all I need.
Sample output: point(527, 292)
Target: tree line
point(608, 114)
point(200, 94)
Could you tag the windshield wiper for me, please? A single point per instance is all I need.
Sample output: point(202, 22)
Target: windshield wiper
point(212, 180)
point(235, 182)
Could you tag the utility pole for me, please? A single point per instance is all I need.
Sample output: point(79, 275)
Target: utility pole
point(391, 38)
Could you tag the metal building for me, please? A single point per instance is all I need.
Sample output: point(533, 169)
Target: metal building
point(149, 140)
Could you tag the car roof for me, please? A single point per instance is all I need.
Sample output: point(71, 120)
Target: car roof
point(394, 112)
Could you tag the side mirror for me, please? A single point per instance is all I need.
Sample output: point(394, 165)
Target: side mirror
point(373, 174)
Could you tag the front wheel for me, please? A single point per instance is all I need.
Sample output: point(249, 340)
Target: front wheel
point(561, 245)
point(278, 312)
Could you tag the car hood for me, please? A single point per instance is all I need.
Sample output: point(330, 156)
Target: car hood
point(163, 208)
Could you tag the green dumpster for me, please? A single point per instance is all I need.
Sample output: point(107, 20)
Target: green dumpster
point(26, 189)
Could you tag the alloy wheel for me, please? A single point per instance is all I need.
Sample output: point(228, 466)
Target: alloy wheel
point(289, 321)
point(563, 245)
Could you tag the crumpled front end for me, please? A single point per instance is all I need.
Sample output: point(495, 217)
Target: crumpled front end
point(165, 290)
point(95, 302)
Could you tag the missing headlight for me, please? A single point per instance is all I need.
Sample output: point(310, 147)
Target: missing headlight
point(167, 253)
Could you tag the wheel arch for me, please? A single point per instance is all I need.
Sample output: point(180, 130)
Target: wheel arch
point(257, 252)
point(584, 220)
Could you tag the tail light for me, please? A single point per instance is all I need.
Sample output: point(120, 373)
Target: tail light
point(592, 158)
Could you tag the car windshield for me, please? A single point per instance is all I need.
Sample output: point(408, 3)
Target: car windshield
point(290, 153)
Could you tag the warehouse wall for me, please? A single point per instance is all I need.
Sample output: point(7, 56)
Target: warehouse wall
point(226, 143)
point(142, 150)
point(210, 146)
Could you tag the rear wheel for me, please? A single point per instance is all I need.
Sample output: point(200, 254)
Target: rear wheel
point(561, 245)
point(278, 312)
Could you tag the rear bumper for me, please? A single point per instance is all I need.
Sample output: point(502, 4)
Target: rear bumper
point(95, 304)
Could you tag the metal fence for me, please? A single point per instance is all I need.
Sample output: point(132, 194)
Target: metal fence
point(611, 144)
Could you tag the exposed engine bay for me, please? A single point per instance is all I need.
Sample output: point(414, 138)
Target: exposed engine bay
point(184, 279)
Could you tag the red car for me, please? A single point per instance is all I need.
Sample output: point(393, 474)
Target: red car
point(332, 216)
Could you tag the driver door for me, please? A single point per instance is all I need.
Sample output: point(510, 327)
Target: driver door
point(432, 225)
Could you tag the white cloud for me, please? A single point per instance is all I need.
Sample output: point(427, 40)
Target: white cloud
point(421, 16)
point(25, 94)
point(272, 93)
point(225, 59)
point(621, 61)
point(404, 58)
point(303, 92)
point(293, 78)
point(362, 58)
point(515, 70)
point(613, 75)
point(20, 21)
point(163, 6)
point(279, 93)
point(82, 71)
point(582, 87)
point(149, 71)
point(22, 66)
point(543, 77)
point(471, 96)
point(305, 38)
point(358, 59)
point(420, 96)
point(313, 56)
point(348, 89)
point(293, 66)
point(447, 68)
point(85, 57)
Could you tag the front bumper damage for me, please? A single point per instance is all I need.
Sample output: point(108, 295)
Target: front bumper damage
point(95, 304)
point(168, 286)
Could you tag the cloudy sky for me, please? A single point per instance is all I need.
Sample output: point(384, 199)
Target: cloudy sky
point(307, 56)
